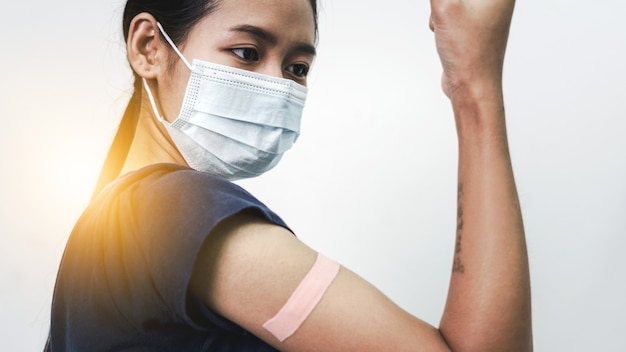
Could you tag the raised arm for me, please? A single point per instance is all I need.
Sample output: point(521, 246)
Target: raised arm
point(248, 268)
point(489, 298)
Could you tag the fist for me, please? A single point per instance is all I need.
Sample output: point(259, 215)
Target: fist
point(471, 38)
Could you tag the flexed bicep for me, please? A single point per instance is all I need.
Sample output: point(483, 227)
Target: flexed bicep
point(253, 271)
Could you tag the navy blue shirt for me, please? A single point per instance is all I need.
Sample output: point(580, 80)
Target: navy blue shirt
point(124, 277)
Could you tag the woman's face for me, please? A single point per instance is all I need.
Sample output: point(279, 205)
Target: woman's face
point(273, 37)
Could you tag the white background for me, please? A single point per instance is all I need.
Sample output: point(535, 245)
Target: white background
point(372, 180)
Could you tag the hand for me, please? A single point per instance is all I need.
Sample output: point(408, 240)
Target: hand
point(471, 38)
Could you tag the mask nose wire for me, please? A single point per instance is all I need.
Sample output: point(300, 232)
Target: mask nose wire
point(171, 42)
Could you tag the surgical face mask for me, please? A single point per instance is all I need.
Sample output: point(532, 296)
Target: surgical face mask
point(234, 123)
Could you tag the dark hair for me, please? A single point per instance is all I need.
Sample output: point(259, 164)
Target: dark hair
point(177, 18)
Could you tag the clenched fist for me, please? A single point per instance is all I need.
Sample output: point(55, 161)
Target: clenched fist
point(471, 38)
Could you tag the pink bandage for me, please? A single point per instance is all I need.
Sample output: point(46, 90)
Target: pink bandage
point(304, 299)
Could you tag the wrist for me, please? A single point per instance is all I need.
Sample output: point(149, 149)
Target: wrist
point(478, 108)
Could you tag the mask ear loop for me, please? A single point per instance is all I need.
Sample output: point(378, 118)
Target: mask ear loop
point(152, 102)
point(145, 83)
point(171, 42)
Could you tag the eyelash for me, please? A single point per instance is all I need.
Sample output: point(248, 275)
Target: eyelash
point(303, 68)
point(251, 55)
point(242, 53)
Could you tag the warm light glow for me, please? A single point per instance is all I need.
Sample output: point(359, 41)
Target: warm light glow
point(73, 172)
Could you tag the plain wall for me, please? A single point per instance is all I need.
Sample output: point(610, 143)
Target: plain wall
point(372, 179)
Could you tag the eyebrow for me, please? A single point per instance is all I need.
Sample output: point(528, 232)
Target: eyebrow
point(270, 38)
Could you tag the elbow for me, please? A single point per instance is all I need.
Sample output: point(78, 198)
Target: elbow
point(492, 340)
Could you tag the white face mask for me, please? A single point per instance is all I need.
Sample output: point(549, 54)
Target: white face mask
point(234, 123)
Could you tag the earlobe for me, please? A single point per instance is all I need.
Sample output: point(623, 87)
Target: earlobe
point(143, 46)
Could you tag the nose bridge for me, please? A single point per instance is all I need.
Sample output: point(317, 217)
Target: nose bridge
point(272, 67)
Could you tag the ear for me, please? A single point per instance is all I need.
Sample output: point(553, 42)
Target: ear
point(146, 53)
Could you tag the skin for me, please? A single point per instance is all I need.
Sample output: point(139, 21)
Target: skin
point(221, 39)
point(247, 260)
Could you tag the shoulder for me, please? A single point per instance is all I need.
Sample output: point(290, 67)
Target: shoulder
point(170, 191)
point(175, 185)
point(177, 181)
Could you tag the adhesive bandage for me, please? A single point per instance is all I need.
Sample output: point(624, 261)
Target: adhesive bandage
point(304, 299)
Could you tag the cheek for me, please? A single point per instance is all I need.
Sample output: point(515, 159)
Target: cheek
point(172, 90)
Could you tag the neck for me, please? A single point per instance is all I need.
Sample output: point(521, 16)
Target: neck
point(151, 143)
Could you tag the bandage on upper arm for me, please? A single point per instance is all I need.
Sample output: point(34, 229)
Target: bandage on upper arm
point(304, 299)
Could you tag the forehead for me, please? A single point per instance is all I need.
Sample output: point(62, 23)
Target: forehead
point(284, 18)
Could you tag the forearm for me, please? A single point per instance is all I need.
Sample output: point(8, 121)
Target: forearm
point(488, 306)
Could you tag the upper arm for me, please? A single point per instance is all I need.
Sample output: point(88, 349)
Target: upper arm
point(248, 268)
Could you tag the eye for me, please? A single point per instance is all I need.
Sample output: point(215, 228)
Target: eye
point(299, 70)
point(247, 54)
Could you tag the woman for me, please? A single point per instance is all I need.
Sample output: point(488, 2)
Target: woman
point(171, 256)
